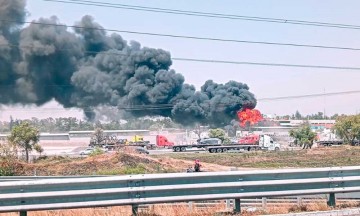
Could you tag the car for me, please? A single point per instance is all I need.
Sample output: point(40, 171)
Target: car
point(209, 141)
point(90, 150)
point(141, 150)
point(87, 151)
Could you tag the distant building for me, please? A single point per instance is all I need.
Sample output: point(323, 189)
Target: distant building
point(314, 124)
point(120, 133)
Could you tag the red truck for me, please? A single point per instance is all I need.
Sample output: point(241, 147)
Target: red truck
point(162, 141)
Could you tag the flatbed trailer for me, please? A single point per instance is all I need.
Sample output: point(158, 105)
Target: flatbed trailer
point(237, 147)
point(330, 142)
point(183, 148)
point(249, 143)
point(356, 143)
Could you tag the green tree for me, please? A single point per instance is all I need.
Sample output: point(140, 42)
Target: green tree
point(348, 127)
point(303, 136)
point(25, 137)
point(39, 149)
point(97, 151)
point(98, 136)
point(298, 116)
point(8, 159)
point(217, 133)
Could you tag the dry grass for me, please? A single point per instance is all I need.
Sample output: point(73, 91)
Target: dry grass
point(182, 209)
point(107, 164)
point(318, 157)
point(155, 210)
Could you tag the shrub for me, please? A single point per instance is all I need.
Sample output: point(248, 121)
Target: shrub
point(96, 151)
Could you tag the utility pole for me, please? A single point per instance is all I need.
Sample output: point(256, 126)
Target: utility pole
point(324, 102)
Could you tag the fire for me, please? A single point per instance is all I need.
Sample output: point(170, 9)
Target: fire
point(252, 116)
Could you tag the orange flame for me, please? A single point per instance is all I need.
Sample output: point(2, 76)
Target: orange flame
point(252, 116)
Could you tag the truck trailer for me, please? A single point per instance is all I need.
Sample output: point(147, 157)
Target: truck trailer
point(201, 144)
point(138, 141)
point(248, 143)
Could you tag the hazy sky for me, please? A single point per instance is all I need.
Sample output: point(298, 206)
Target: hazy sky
point(264, 81)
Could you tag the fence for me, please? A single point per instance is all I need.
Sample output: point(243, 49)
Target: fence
point(49, 193)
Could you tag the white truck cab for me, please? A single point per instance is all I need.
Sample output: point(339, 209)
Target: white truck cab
point(267, 143)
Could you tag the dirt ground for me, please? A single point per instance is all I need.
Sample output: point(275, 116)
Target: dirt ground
point(317, 157)
point(108, 164)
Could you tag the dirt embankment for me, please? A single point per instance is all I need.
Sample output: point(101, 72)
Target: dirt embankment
point(108, 164)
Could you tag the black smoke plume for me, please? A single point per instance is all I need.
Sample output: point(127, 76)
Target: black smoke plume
point(88, 68)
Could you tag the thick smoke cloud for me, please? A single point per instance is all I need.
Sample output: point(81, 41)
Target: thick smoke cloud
point(88, 68)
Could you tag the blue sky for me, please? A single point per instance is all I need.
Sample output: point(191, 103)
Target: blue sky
point(263, 81)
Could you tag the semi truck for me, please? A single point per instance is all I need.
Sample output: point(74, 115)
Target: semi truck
point(138, 141)
point(248, 143)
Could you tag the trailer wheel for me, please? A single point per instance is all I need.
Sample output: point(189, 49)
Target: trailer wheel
point(277, 149)
point(224, 150)
point(212, 150)
point(183, 149)
point(219, 150)
point(177, 149)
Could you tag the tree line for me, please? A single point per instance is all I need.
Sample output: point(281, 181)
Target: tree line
point(347, 127)
point(58, 125)
point(316, 116)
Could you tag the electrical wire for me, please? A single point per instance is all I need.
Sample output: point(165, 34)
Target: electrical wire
point(171, 106)
point(309, 96)
point(191, 37)
point(216, 61)
point(207, 14)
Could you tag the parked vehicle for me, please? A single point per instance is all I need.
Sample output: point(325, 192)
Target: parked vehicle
point(87, 151)
point(141, 150)
point(355, 143)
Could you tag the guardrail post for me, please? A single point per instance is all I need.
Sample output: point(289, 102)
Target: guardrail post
point(191, 205)
point(237, 205)
point(135, 210)
point(227, 204)
point(264, 202)
point(332, 201)
point(299, 201)
point(23, 213)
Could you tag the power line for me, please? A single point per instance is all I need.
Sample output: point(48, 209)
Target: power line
point(207, 14)
point(194, 37)
point(310, 95)
point(267, 64)
point(216, 61)
point(170, 106)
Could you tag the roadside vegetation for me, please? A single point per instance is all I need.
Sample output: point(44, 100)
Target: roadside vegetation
point(348, 128)
point(182, 209)
point(25, 137)
point(318, 157)
point(303, 136)
point(104, 164)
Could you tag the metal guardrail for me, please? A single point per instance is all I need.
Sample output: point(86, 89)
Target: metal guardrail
point(67, 193)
